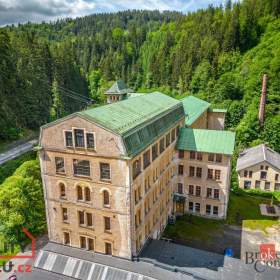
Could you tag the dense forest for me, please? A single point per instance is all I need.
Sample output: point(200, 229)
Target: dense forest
point(49, 70)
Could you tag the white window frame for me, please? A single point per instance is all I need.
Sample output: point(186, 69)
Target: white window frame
point(64, 138)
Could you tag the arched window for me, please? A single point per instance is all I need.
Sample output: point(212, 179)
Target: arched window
point(87, 194)
point(62, 190)
point(106, 198)
point(79, 193)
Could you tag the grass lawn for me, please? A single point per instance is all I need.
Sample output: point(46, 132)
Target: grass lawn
point(207, 234)
point(189, 228)
point(244, 210)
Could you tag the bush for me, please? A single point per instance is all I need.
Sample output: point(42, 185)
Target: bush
point(8, 168)
point(22, 203)
point(259, 193)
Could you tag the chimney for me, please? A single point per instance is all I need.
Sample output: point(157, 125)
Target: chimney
point(263, 100)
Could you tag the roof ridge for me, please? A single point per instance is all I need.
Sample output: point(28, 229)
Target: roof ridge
point(264, 152)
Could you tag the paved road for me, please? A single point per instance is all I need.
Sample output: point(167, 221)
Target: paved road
point(17, 151)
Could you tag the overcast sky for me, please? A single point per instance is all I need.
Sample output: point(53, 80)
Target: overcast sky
point(14, 11)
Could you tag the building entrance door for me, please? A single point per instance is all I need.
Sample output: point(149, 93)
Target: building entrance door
point(180, 207)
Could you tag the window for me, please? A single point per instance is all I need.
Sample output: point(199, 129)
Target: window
point(266, 167)
point(181, 154)
point(146, 159)
point(190, 206)
point(107, 224)
point(135, 197)
point(215, 210)
point(192, 169)
point(191, 189)
point(167, 140)
point(177, 130)
point(105, 171)
point(90, 244)
point(250, 174)
point(198, 191)
point(106, 199)
point(161, 145)
point(276, 177)
point(90, 141)
point(198, 172)
point(209, 192)
point(154, 151)
point(81, 167)
point(246, 173)
point(257, 184)
point(199, 156)
point(64, 215)
point(247, 185)
point(192, 155)
point(79, 138)
point(197, 207)
point(80, 193)
point(173, 135)
point(136, 168)
point(180, 169)
point(218, 158)
point(277, 186)
point(210, 174)
point(87, 194)
point(217, 174)
point(89, 219)
point(261, 167)
point(267, 186)
point(210, 157)
point(180, 188)
point(108, 248)
point(208, 209)
point(62, 190)
point(66, 238)
point(263, 174)
point(68, 138)
point(216, 193)
point(81, 217)
point(59, 165)
point(83, 243)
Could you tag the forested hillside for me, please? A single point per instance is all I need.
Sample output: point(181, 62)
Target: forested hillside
point(218, 54)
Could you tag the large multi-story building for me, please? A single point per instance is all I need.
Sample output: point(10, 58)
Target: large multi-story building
point(109, 173)
point(204, 167)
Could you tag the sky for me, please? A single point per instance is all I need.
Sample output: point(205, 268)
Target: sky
point(15, 11)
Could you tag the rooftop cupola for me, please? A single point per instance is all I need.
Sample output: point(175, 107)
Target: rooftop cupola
point(117, 92)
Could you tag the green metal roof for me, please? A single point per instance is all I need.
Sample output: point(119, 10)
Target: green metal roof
point(204, 140)
point(194, 108)
point(138, 120)
point(119, 87)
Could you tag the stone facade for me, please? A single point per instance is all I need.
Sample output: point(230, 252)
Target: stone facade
point(262, 176)
point(203, 183)
point(100, 199)
point(216, 120)
point(138, 206)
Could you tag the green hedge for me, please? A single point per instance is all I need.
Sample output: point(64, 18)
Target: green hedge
point(259, 193)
